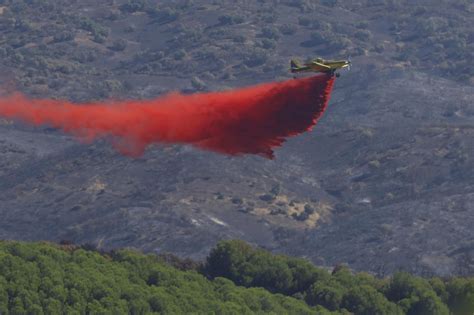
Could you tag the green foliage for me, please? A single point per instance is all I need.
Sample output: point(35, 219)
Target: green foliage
point(414, 295)
point(363, 299)
point(329, 296)
point(461, 295)
point(238, 261)
point(40, 278)
point(342, 290)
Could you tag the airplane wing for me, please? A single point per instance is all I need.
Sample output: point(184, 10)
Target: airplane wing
point(320, 66)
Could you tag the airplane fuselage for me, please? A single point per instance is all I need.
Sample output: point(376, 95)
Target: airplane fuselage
point(319, 65)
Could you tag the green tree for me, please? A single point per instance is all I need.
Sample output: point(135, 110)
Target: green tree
point(326, 295)
point(414, 295)
point(461, 296)
point(365, 300)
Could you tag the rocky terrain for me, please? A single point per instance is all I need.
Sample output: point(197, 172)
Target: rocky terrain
point(384, 182)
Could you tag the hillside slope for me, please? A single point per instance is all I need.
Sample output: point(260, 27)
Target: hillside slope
point(383, 183)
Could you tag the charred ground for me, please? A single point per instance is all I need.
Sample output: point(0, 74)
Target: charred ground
point(383, 183)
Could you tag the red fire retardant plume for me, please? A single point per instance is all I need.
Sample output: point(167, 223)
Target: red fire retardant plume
point(251, 120)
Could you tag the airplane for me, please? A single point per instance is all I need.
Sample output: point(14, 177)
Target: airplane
point(320, 65)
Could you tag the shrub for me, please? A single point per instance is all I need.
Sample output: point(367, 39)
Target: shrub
point(268, 43)
point(288, 29)
point(255, 58)
point(228, 19)
point(163, 16)
point(329, 3)
point(119, 45)
point(363, 35)
point(63, 37)
point(304, 21)
point(271, 33)
point(329, 296)
point(134, 6)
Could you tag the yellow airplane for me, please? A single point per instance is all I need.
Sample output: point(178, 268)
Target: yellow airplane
point(320, 65)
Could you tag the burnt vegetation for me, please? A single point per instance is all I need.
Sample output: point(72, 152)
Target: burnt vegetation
point(49, 43)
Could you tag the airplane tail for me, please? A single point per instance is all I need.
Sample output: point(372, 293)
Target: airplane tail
point(295, 65)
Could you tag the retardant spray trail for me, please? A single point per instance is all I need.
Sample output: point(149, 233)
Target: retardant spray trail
point(251, 120)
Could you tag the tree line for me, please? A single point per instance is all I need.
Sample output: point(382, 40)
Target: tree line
point(236, 278)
